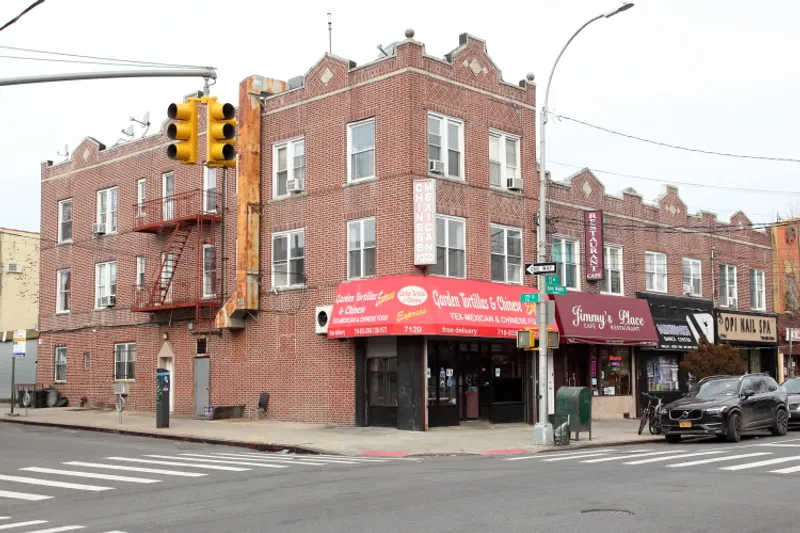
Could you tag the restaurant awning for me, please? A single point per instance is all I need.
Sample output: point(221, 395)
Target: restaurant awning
point(428, 305)
point(585, 318)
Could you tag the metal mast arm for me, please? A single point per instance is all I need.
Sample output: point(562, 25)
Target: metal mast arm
point(76, 76)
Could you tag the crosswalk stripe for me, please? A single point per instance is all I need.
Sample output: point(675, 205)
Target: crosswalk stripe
point(289, 461)
point(48, 483)
point(559, 454)
point(627, 456)
point(762, 463)
point(92, 475)
point(717, 459)
point(58, 529)
point(136, 469)
point(176, 463)
point(325, 460)
point(22, 524)
point(216, 461)
point(354, 458)
point(23, 496)
point(790, 470)
point(669, 457)
point(572, 457)
point(778, 445)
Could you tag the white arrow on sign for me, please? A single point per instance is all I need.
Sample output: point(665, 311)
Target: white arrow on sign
point(540, 268)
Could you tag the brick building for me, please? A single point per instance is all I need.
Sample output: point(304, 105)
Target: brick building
point(365, 260)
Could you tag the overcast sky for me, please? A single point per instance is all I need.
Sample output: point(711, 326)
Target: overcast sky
point(718, 75)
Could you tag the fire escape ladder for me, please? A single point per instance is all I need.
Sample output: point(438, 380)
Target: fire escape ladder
point(177, 242)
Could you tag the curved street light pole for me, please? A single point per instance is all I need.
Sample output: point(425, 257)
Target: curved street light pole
point(543, 430)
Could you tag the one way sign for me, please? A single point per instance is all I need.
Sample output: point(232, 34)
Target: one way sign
point(533, 269)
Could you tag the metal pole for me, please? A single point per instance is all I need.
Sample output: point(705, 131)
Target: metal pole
point(13, 372)
point(543, 430)
point(76, 76)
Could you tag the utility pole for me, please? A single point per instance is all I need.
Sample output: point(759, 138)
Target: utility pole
point(77, 76)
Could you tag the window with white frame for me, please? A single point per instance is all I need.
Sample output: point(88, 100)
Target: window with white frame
point(210, 190)
point(361, 248)
point(288, 163)
point(141, 196)
point(65, 220)
point(446, 144)
point(107, 209)
point(728, 289)
point(655, 271)
point(125, 361)
point(105, 283)
point(565, 256)
point(61, 364)
point(692, 277)
point(141, 266)
point(361, 150)
point(506, 253)
point(612, 271)
point(64, 278)
point(758, 300)
point(209, 271)
point(451, 256)
point(503, 158)
point(288, 258)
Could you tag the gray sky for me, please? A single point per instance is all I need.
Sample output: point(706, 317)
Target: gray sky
point(716, 75)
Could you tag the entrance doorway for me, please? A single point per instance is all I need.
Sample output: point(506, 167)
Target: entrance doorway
point(166, 363)
point(202, 397)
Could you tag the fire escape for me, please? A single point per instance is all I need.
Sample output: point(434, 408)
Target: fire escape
point(186, 224)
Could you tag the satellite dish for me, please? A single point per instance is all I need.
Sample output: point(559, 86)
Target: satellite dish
point(66, 152)
point(128, 131)
point(146, 118)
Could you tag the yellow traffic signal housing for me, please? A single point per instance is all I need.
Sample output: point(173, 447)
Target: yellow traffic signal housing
point(527, 340)
point(184, 131)
point(221, 135)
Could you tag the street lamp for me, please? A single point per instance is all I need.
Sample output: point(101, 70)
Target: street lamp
point(543, 430)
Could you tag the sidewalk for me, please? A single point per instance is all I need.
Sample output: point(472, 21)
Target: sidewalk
point(477, 439)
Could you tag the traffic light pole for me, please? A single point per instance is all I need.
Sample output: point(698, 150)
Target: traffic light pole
point(207, 73)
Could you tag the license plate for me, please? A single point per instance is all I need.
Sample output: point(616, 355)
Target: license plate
point(685, 424)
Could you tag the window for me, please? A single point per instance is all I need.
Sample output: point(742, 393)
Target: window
point(614, 366)
point(210, 190)
point(61, 364)
point(612, 270)
point(565, 256)
point(506, 252)
point(289, 163)
point(141, 196)
point(446, 144)
point(692, 277)
point(728, 291)
point(361, 248)
point(105, 283)
point(655, 272)
point(503, 158)
point(662, 373)
point(167, 273)
point(64, 286)
point(288, 259)
point(757, 290)
point(209, 271)
point(125, 361)
point(383, 381)
point(361, 151)
point(450, 248)
point(140, 269)
point(65, 220)
point(107, 209)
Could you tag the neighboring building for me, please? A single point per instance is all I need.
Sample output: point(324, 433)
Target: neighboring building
point(308, 252)
point(786, 276)
point(19, 279)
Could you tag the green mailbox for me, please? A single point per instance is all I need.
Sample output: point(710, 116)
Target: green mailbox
point(575, 402)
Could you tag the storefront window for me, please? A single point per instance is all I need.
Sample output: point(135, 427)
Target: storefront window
point(383, 382)
point(442, 389)
point(612, 371)
point(662, 374)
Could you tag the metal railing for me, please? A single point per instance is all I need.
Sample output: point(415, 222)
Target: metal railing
point(176, 207)
point(181, 292)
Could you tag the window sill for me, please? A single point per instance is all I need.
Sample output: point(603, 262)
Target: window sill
point(62, 313)
point(503, 190)
point(511, 283)
point(655, 291)
point(285, 288)
point(446, 276)
point(59, 382)
point(447, 178)
point(287, 197)
point(604, 293)
point(124, 380)
point(359, 182)
point(758, 310)
point(62, 243)
point(362, 277)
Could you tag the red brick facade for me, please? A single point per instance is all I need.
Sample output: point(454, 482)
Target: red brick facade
point(309, 377)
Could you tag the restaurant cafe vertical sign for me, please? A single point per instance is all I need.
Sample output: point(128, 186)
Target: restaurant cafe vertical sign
point(424, 222)
point(593, 244)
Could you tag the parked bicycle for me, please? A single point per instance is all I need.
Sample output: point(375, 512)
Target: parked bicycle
point(652, 415)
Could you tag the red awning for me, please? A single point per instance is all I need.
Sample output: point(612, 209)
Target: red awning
point(603, 319)
point(428, 305)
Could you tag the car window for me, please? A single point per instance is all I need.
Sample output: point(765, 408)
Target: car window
point(791, 386)
point(761, 385)
point(714, 388)
point(748, 385)
point(772, 385)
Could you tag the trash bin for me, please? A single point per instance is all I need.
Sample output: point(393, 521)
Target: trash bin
point(561, 429)
point(575, 402)
point(52, 397)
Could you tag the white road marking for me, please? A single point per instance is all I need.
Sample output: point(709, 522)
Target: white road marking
point(58, 529)
point(249, 458)
point(558, 454)
point(779, 445)
point(23, 496)
point(219, 460)
point(717, 459)
point(48, 483)
point(23, 524)
point(176, 463)
point(136, 469)
point(572, 457)
point(669, 457)
point(790, 470)
point(763, 463)
point(324, 460)
point(91, 475)
point(627, 456)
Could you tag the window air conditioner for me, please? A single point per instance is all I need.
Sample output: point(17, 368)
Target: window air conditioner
point(112, 301)
point(321, 318)
point(687, 288)
point(733, 303)
point(436, 167)
point(14, 268)
point(514, 184)
point(295, 185)
point(99, 229)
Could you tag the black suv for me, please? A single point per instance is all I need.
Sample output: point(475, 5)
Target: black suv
point(727, 406)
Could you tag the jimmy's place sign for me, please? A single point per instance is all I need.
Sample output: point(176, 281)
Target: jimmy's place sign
point(734, 327)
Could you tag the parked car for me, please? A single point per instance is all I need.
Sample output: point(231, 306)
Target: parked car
point(792, 387)
point(726, 407)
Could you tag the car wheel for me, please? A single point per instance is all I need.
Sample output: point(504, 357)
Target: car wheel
point(734, 433)
point(673, 438)
point(781, 423)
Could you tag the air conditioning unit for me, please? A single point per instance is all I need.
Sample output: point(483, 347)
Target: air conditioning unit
point(733, 303)
point(321, 319)
point(687, 288)
point(514, 184)
point(436, 167)
point(112, 301)
point(14, 268)
point(295, 185)
point(99, 229)
point(107, 301)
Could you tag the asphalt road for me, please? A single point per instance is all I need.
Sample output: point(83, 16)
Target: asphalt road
point(654, 487)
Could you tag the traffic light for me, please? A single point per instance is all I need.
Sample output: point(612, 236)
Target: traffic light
point(527, 340)
point(221, 135)
point(184, 131)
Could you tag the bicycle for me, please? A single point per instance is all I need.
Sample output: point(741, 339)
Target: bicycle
point(652, 415)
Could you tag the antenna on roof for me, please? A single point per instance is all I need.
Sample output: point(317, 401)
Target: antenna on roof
point(145, 122)
point(330, 35)
point(65, 155)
